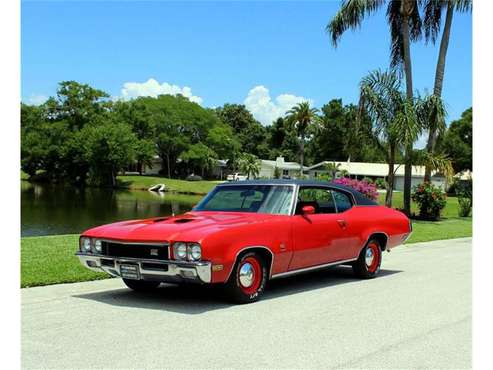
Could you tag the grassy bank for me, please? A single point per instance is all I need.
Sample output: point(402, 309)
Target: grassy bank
point(181, 186)
point(136, 182)
point(49, 260)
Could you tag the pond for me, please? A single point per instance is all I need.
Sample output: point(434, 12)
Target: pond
point(53, 210)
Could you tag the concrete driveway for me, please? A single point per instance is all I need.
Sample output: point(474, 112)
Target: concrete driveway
point(417, 314)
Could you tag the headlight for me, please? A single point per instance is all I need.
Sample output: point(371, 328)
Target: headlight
point(98, 246)
point(180, 250)
point(195, 252)
point(85, 245)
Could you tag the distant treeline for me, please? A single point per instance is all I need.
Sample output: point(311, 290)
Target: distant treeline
point(81, 136)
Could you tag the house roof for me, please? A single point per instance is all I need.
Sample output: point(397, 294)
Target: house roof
point(371, 169)
point(283, 165)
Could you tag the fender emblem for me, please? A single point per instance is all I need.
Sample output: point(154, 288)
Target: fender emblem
point(282, 247)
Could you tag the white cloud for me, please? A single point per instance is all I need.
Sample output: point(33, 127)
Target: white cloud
point(266, 110)
point(36, 99)
point(153, 88)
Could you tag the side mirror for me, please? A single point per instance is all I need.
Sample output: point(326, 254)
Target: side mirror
point(308, 210)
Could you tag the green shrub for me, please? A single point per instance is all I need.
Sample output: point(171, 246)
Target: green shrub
point(325, 177)
point(431, 200)
point(380, 183)
point(463, 190)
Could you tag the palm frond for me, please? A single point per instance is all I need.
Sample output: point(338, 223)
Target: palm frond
point(350, 16)
point(433, 18)
point(395, 19)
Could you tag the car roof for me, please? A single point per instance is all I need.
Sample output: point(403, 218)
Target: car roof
point(358, 197)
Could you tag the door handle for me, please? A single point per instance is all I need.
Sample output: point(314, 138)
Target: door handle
point(342, 223)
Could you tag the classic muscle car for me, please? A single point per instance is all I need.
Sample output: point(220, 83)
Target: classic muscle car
point(244, 233)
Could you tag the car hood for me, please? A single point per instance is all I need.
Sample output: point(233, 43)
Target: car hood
point(191, 226)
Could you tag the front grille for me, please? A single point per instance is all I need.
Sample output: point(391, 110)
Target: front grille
point(144, 251)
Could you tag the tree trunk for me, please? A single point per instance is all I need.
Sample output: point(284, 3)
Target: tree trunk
point(113, 178)
point(439, 73)
point(168, 165)
point(409, 95)
point(302, 153)
point(390, 175)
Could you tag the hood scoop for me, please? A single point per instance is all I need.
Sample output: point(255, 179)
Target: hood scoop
point(160, 219)
point(183, 220)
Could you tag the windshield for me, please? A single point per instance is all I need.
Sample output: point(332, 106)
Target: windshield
point(273, 199)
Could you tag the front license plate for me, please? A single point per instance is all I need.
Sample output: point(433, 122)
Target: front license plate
point(130, 272)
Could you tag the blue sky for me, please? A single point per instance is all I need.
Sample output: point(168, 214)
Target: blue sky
point(265, 54)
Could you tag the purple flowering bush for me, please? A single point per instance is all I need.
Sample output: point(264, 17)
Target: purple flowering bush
point(367, 189)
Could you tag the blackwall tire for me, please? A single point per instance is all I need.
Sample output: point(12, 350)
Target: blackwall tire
point(367, 266)
point(247, 281)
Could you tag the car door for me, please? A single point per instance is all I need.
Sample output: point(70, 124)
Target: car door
point(350, 247)
point(318, 238)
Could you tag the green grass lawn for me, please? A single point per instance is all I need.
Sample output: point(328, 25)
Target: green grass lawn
point(449, 227)
point(182, 186)
point(51, 259)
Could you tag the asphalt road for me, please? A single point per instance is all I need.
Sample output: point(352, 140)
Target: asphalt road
point(417, 314)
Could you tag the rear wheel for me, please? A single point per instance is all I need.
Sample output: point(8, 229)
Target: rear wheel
point(247, 280)
point(141, 285)
point(367, 265)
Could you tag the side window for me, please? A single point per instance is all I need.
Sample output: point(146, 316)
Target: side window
point(342, 200)
point(319, 198)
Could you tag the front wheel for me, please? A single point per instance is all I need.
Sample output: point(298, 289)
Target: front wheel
point(141, 285)
point(248, 278)
point(367, 265)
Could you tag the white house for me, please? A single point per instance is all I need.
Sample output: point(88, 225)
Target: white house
point(359, 170)
point(286, 169)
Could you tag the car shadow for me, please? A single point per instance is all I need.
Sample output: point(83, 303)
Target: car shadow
point(193, 299)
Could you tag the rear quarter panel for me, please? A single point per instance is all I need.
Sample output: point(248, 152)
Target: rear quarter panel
point(363, 221)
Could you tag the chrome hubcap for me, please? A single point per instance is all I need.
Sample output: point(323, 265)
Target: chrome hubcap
point(369, 257)
point(246, 275)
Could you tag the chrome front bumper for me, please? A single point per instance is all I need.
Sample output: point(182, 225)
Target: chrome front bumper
point(161, 270)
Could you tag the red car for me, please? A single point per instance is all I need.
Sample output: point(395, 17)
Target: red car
point(244, 233)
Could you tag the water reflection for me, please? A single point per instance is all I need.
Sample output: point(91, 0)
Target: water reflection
point(49, 209)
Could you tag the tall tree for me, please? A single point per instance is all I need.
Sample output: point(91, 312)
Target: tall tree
point(456, 142)
point(136, 114)
point(282, 140)
point(405, 26)
point(77, 103)
point(301, 116)
point(394, 120)
point(250, 133)
point(433, 10)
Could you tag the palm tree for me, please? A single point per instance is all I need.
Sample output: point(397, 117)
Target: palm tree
point(333, 168)
point(432, 22)
point(301, 116)
point(249, 164)
point(405, 26)
point(431, 113)
point(394, 118)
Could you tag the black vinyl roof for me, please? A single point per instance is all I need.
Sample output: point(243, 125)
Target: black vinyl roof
point(359, 198)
